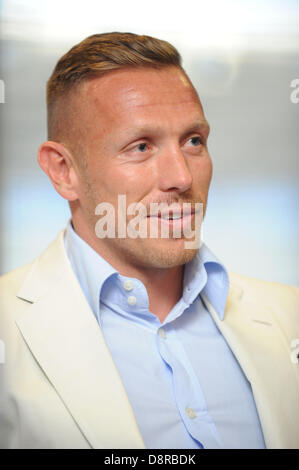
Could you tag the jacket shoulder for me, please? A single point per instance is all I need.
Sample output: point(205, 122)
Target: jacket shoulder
point(12, 281)
point(254, 286)
point(280, 300)
point(16, 284)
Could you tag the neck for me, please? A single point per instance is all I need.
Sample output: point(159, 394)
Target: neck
point(163, 285)
point(170, 281)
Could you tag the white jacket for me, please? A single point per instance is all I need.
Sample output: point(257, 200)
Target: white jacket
point(59, 386)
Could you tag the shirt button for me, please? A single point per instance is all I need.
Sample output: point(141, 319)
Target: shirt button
point(128, 285)
point(162, 333)
point(132, 300)
point(191, 413)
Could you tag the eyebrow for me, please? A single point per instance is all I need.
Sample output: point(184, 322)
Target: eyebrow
point(200, 124)
point(144, 130)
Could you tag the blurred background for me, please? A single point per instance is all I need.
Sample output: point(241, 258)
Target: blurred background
point(242, 57)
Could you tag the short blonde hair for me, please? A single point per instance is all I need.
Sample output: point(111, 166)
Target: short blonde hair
point(102, 53)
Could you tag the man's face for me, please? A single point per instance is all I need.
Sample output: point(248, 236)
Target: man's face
point(144, 134)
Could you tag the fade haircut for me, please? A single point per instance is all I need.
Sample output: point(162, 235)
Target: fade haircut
point(97, 55)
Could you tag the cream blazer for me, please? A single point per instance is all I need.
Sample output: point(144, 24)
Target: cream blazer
point(59, 386)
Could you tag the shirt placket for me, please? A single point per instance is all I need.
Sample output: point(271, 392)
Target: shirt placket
point(189, 396)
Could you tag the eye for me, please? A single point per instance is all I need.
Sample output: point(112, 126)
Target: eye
point(142, 147)
point(140, 150)
point(195, 141)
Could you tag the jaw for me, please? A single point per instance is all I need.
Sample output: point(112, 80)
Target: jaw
point(128, 255)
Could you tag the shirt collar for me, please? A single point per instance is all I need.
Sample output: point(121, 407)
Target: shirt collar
point(217, 285)
point(90, 268)
point(205, 273)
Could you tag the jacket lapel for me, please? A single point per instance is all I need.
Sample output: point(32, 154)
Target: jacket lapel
point(264, 355)
point(66, 340)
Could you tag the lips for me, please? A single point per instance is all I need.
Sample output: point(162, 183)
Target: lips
point(171, 217)
point(174, 214)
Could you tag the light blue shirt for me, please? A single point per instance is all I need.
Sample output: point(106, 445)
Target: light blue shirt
point(186, 388)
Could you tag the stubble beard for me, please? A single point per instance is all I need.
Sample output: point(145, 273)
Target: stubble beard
point(146, 253)
point(143, 253)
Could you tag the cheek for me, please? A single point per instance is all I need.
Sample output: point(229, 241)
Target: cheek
point(111, 180)
point(203, 169)
point(209, 171)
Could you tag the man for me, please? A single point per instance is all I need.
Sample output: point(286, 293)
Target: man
point(126, 341)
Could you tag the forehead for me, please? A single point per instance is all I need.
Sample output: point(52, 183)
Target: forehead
point(143, 91)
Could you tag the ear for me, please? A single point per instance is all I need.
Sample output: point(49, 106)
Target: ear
point(57, 162)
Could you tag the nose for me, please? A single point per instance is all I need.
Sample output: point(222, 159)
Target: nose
point(174, 173)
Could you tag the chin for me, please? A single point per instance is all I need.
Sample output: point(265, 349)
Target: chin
point(168, 256)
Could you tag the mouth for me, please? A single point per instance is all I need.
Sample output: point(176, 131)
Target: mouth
point(176, 218)
point(174, 214)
